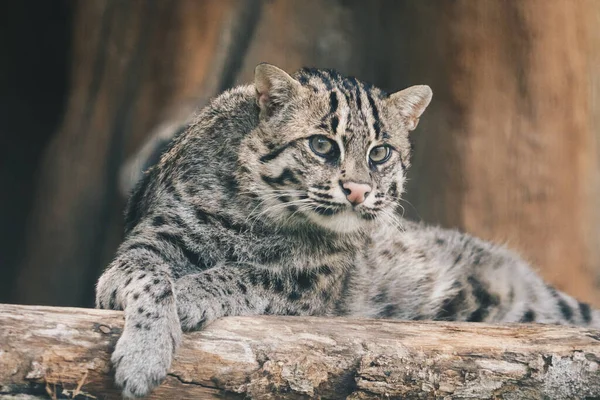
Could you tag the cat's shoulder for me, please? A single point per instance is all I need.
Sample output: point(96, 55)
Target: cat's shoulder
point(226, 119)
point(238, 103)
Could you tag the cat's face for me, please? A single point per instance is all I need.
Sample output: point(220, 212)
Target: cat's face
point(329, 149)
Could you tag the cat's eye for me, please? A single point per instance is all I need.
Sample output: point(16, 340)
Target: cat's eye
point(321, 145)
point(380, 154)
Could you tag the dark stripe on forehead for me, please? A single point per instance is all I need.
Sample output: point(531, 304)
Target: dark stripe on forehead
point(324, 78)
point(359, 102)
point(348, 98)
point(350, 83)
point(352, 89)
point(305, 74)
point(334, 123)
point(354, 83)
point(332, 73)
point(333, 102)
point(303, 79)
point(375, 112)
point(333, 107)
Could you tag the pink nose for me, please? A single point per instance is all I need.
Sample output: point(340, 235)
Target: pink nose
point(356, 193)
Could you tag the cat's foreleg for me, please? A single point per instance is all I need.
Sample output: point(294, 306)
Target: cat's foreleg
point(140, 284)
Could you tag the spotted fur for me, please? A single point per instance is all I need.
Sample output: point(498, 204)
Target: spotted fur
point(242, 217)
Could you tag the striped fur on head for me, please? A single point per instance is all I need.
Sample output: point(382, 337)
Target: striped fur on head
point(296, 184)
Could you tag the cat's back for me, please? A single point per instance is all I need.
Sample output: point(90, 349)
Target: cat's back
point(419, 243)
point(198, 165)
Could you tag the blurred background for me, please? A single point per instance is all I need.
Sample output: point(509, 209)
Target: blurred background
point(509, 149)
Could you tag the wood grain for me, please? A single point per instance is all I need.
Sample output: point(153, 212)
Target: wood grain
point(65, 352)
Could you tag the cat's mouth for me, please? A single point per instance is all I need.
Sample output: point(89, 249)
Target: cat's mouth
point(327, 212)
point(343, 218)
point(329, 209)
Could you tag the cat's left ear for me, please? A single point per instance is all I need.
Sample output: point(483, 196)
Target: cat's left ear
point(411, 103)
point(274, 87)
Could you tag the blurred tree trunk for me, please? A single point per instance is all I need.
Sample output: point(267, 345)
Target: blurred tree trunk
point(134, 64)
point(509, 149)
point(33, 88)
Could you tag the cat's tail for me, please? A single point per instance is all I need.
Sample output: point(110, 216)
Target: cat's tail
point(572, 311)
point(595, 319)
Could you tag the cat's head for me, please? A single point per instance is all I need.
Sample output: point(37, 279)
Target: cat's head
point(329, 149)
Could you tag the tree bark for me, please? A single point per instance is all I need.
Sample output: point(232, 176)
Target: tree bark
point(66, 351)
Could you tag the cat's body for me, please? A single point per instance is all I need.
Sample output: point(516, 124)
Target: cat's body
point(280, 198)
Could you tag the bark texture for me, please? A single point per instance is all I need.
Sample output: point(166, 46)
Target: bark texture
point(64, 352)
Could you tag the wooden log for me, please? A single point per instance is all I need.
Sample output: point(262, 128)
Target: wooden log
point(64, 353)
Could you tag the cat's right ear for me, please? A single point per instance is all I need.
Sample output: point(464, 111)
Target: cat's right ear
point(411, 103)
point(274, 87)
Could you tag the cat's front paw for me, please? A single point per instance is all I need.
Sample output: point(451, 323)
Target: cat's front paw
point(195, 315)
point(142, 359)
point(194, 306)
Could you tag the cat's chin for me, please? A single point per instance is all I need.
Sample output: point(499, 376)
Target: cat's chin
point(344, 222)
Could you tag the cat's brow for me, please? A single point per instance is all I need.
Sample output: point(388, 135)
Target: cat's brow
point(277, 152)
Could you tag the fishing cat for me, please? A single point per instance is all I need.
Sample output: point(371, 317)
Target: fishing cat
point(281, 198)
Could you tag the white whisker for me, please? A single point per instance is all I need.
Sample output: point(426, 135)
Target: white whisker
point(413, 207)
